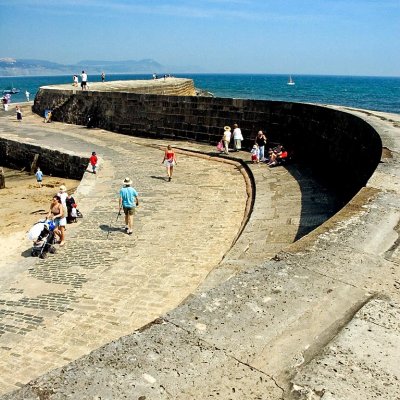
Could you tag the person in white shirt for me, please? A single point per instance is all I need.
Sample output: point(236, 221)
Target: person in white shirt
point(237, 137)
point(84, 80)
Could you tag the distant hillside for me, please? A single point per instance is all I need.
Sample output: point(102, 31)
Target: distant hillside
point(18, 67)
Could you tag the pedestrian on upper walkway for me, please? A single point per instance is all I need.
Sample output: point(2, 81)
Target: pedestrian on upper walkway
point(169, 161)
point(19, 113)
point(261, 141)
point(84, 80)
point(128, 201)
point(226, 138)
point(237, 137)
point(27, 94)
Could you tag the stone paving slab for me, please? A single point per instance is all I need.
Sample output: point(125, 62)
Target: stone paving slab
point(364, 355)
point(153, 370)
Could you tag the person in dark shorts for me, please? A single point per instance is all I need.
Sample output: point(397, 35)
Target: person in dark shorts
point(128, 200)
point(84, 80)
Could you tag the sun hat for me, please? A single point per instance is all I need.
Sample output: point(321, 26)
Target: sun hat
point(63, 188)
point(227, 128)
point(127, 181)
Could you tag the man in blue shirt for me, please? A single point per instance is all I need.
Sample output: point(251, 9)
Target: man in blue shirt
point(128, 200)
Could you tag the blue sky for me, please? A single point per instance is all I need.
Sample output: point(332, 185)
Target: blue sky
point(339, 37)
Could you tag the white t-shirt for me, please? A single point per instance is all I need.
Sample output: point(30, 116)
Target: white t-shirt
point(237, 134)
point(84, 77)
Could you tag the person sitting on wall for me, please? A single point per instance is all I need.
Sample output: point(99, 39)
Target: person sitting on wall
point(277, 155)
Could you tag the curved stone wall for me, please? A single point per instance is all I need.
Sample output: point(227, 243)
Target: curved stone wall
point(341, 147)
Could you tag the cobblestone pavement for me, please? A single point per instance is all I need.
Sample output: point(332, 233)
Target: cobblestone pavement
point(104, 284)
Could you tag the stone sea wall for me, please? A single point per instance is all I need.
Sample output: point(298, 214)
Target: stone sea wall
point(21, 155)
point(341, 147)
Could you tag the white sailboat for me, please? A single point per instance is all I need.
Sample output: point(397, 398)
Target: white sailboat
point(291, 81)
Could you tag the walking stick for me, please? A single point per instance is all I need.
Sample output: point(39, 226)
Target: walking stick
point(109, 227)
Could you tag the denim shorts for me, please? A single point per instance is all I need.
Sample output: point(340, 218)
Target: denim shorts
point(60, 221)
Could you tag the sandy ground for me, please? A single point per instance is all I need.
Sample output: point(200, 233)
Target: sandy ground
point(23, 203)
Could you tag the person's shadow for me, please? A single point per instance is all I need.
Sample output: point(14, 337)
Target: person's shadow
point(109, 228)
point(160, 178)
point(27, 253)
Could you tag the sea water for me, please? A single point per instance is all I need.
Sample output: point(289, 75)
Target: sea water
point(373, 93)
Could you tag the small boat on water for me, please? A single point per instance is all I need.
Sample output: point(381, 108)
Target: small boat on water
point(291, 81)
point(11, 91)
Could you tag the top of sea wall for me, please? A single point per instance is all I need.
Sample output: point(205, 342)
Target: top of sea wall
point(342, 148)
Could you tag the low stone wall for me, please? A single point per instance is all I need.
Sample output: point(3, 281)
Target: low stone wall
point(21, 155)
point(341, 147)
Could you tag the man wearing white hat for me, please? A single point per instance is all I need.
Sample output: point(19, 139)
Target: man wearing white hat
point(128, 200)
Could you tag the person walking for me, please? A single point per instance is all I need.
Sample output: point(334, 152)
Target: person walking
point(93, 161)
point(103, 76)
point(5, 103)
point(261, 141)
point(169, 161)
point(19, 113)
point(84, 80)
point(226, 138)
point(128, 201)
point(27, 94)
point(39, 177)
point(237, 137)
point(75, 80)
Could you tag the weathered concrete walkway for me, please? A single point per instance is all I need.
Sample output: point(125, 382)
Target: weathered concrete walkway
point(105, 284)
point(319, 321)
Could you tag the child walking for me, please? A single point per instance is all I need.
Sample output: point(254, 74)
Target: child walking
point(39, 177)
point(93, 161)
point(254, 154)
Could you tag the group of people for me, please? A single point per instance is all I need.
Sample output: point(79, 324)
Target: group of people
point(84, 80)
point(258, 154)
point(63, 210)
point(228, 135)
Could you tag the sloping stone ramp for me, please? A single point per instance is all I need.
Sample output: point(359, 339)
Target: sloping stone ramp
point(207, 313)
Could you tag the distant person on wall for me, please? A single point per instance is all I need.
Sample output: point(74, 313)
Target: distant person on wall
point(169, 161)
point(128, 200)
point(103, 76)
point(84, 80)
point(39, 177)
point(237, 137)
point(226, 138)
point(261, 141)
point(5, 103)
point(27, 94)
point(19, 113)
point(75, 80)
point(93, 161)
